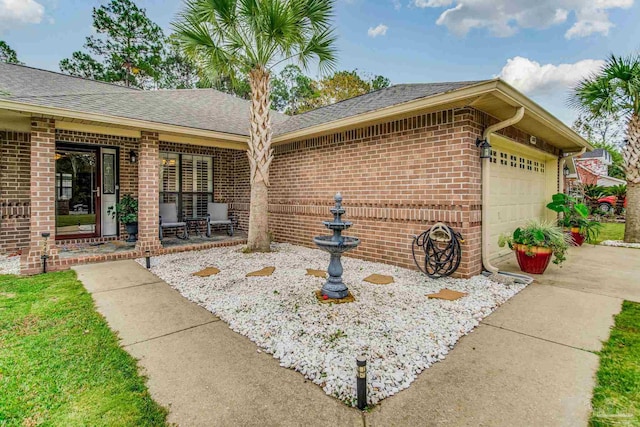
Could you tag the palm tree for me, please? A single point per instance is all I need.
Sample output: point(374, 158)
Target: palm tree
point(232, 39)
point(620, 191)
point(615, 89)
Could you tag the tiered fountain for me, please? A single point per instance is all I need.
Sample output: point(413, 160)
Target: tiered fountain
point(336, 245)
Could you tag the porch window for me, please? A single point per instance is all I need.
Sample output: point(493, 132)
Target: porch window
point(186, 180)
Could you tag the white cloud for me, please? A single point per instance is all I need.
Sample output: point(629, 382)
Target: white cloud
point(504, 17)
point(533, 78)
point(380, 30)
point(20, 12)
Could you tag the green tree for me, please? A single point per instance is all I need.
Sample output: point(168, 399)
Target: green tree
point(7, 54)
point(292, 91)
point(343, 85)
point(616, 90)
point(248, 38)
point(604, 132)
point(178, 71)
point(126, 50)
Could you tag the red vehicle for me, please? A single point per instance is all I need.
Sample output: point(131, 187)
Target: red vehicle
point(607, 204)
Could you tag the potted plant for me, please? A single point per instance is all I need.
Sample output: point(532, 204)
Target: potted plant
point(535, 243)
point(126, 211)
point(574, 218)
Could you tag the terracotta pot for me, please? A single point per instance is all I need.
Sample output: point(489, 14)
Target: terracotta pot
point(537, 262)
point(578, 239)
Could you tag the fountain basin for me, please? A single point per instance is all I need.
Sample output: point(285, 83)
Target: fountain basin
point(328, 244)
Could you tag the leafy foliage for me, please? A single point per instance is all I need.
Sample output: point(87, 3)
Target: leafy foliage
point(176, 70)
point(620, 191)
point(127, 48)
point(7, 54)
point(126, 210)
point(292, 91)
point(539, 234)
point(574, 215)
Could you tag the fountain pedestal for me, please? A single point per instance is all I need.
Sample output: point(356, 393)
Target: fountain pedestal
point(336, 245)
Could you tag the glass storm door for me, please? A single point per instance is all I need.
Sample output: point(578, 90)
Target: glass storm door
point(77, 192)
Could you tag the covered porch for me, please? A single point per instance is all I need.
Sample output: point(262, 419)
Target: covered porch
point(80, 171)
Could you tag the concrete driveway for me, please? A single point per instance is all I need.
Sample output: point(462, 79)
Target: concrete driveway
point(531, 362)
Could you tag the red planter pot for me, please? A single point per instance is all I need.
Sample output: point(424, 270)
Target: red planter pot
point(578, 238)
point(537, 262)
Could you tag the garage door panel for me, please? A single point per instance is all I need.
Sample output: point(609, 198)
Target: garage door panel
point(518, 192)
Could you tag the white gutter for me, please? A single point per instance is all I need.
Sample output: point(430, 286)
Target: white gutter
point(486, 165)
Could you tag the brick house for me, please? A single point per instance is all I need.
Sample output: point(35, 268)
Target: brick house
point(592, 168)
point(404, 158)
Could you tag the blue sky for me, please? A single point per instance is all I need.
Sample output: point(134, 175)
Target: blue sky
point(523, 41)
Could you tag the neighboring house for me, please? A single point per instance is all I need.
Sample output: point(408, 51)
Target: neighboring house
point(591, 168)
point(403, 157)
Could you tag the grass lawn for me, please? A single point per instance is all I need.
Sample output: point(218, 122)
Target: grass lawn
point(616, 398)
point(68, 220)
point(611, 231)
point(60, 364)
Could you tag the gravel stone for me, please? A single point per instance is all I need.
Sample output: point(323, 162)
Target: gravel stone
point(396, 327)
point(620, 244)
point(9, 264)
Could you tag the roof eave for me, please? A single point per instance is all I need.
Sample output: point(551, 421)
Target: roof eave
point(501, 89)
point(119, 121)
point(453, 96)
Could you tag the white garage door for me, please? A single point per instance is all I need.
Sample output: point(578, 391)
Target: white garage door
point(522, 181)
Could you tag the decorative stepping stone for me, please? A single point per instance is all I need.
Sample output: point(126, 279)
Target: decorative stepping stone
point(379, 279)
point(209, 271)
point(318, 273)
point(267, 271)
point(447, 294)
point(321, 298)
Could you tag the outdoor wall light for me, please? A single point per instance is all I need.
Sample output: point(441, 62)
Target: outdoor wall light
point(565, 170)
point(485, 148)
point(133, 156)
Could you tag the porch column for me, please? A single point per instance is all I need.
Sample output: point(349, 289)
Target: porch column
point(42, 193)
point(148, 193)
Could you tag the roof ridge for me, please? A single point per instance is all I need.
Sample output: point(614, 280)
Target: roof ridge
point(72, 76)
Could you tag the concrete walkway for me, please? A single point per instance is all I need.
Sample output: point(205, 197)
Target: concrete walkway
point(530, 363)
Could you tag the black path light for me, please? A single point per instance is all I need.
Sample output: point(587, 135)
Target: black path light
point(45, 250)
point(361, 382)
point(485, 148)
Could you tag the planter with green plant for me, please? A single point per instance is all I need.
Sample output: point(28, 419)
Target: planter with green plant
point(535, 243)
point(126, 211)
point(574, 218)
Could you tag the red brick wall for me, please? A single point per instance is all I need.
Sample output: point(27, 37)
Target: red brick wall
point(397, 179)
point(148, 191)
point(14, 191)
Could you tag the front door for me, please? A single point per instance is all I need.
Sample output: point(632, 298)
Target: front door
point(109, 191)
point(77, 192)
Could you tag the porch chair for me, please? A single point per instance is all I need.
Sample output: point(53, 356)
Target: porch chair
point(169, 219)
point(218, 214)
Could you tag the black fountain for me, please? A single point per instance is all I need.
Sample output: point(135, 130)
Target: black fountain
point(336, 245)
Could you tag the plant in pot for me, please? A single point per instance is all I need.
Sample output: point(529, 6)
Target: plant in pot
point(574, 218)
point(126, 211)
point(535, 243)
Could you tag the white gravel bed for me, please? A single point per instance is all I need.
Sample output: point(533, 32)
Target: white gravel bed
point(9, 264)
point(399, 330)
point(620, 244)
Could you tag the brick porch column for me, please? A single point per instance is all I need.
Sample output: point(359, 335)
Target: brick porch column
point(42, 193)
point(148, 193)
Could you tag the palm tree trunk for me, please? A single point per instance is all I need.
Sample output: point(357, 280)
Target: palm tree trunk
point(260, 157)
point(631, 156)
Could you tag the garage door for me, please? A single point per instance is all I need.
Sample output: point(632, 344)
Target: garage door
point(522, 181)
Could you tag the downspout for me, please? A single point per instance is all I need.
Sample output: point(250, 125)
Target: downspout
point(563, 161)
point(486, 166)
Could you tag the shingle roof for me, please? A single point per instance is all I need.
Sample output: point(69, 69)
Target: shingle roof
point(20, 80)
point(205, 109)
point(598, 152)
point(373, 101)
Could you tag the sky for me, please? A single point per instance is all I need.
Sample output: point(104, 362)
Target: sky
point(542, 47)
